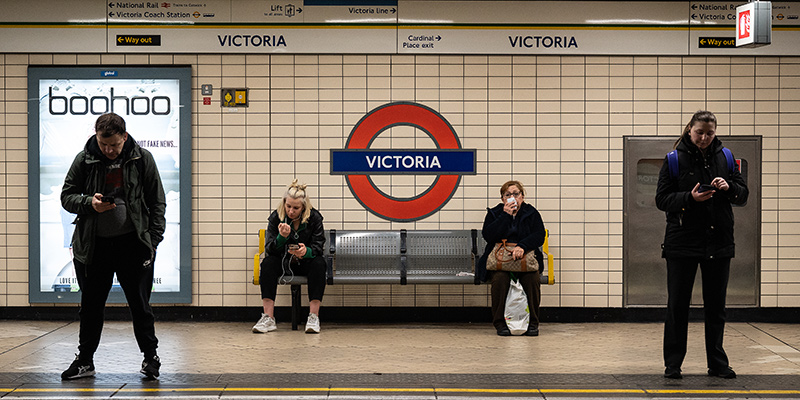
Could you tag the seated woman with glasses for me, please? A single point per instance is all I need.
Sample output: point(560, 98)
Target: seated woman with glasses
point(517, 222)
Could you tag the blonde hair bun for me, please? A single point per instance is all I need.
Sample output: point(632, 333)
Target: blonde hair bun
point(299, 186)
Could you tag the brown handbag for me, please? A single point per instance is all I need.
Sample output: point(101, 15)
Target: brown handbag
point(502, 259)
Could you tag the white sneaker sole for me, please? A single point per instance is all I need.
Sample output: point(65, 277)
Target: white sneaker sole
point(82, 375)
point(312, 330)
point(257, 330)
point(149, 375)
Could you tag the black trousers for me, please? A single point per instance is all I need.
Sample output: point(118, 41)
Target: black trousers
point(680, 280)
point(274, 268)
point(501, 282)
point(123, 255)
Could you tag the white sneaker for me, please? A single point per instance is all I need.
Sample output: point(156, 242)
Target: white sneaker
point(265, 324)
point(312, 325)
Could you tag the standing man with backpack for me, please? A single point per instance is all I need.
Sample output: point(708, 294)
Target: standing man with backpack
point(697, 185)
point(114, 187)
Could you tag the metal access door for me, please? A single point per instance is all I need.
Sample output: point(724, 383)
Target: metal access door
point(644, 271)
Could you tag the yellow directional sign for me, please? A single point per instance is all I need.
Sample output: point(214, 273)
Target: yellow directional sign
point(138, 40)
point(716, 43)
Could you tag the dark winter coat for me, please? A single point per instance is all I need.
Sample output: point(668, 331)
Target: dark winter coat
point(699, 229)
point(497, 225)
point(144, 196)
point(310, 233)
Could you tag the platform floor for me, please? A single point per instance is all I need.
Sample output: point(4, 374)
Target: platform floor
point(409, 361)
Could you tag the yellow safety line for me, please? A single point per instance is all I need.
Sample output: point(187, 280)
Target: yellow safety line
point(34, 26)
point(65, 389)
point(410, 390)
point(720, 391)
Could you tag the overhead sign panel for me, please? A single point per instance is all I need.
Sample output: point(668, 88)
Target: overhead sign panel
point(250, 26)
point(270, 11)
point(259, 39)
point(344, 12)
point(388, 27)
point(185, 12)
point(718, 19)
point(60, 26)
point(541, 27)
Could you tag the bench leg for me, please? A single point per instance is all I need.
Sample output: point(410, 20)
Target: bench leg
point(295, 306)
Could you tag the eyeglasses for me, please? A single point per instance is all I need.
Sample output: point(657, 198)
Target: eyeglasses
point(514, 194)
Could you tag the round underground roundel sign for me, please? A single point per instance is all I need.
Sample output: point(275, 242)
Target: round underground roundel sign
point(358, 162)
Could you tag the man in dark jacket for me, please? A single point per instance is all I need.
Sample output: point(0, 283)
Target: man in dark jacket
point(114, 187)
point(699, 231)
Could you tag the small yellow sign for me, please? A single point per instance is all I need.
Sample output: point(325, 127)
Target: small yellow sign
point(241, 96)
point(234, 97)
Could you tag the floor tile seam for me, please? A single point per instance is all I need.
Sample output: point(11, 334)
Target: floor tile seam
point(37, 338)
point(777, 339)
point(753, 328)
point(41, 342)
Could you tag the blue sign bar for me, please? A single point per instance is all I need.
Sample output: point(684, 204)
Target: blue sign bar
point(418, 162)
point(345, 3)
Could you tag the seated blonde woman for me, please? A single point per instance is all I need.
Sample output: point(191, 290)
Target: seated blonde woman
point(294, 246)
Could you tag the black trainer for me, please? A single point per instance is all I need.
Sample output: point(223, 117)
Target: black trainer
point(150, 367)
point(503, 331)
point(673, 373)
point(78, 369)
point(724, 373)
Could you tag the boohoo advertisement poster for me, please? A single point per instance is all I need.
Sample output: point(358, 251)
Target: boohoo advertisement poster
point(64, 103)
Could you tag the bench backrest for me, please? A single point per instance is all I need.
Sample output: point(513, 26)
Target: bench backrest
point(401, 257)
point(363, 256)
point(441, 256)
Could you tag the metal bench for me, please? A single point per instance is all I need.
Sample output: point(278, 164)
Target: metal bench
point(398, 257)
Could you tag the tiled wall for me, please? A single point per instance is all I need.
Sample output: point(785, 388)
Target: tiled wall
point(555, 123)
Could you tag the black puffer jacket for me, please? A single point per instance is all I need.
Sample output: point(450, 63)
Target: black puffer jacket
point(311, 233)
point(529, 233)
point(699, 229)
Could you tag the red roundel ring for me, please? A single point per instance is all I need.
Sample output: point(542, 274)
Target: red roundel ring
point(408, 114)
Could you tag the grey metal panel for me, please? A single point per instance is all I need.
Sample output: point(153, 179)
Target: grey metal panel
point(369, 254)
point(440, 254)
point(366, 280)
point(644, 271)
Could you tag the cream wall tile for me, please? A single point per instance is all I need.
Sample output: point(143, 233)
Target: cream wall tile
point(559, 112)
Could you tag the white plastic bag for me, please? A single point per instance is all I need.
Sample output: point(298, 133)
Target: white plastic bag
point(517, 313)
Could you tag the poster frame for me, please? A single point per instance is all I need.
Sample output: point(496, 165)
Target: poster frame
point(181, 73)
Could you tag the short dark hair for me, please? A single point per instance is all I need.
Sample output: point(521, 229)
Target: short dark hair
point(109, 124)
point(508, 184)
